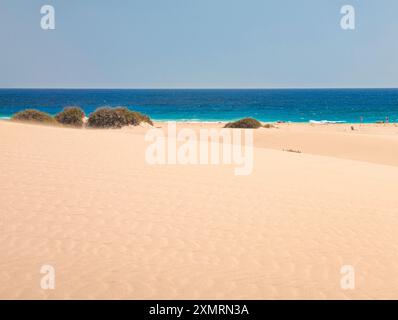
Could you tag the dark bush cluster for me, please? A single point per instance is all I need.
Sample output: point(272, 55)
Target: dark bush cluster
point(268, 126)
point(142, 117)
point(116, 118)
point(31, 115)
point(71, 116)
point(246, 123)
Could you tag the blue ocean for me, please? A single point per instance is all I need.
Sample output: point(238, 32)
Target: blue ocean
point(295, 105)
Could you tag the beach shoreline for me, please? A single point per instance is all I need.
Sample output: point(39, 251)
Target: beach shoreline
point(320, 122)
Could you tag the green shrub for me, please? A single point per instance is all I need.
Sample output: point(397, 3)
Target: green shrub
point(142, 117)
point(71, 116)
point(32, 115)
point(268, 126)
point(107, 118)
point(246, 123)
point(115, 118)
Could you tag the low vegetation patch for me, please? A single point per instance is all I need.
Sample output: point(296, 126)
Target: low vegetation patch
point(268, 126)
point(71, 116)
point(292, 150)
point(32, 115)
point(246, 123)
point(116, 118)
point(142, 117)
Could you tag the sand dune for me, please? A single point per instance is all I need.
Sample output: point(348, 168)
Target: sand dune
point(376, 143)
point(86, 202)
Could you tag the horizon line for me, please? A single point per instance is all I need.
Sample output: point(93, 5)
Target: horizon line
point(193, 88)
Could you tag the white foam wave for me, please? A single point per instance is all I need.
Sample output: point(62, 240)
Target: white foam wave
point(324, 121)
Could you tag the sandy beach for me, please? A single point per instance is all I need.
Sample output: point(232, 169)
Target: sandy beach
point(115, 227)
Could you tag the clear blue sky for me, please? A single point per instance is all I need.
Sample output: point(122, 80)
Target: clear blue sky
point(198, 44)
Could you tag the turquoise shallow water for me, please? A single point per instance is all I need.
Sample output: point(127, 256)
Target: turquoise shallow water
point(295, 105)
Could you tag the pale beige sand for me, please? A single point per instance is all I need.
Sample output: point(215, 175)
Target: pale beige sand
point(86, 202)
